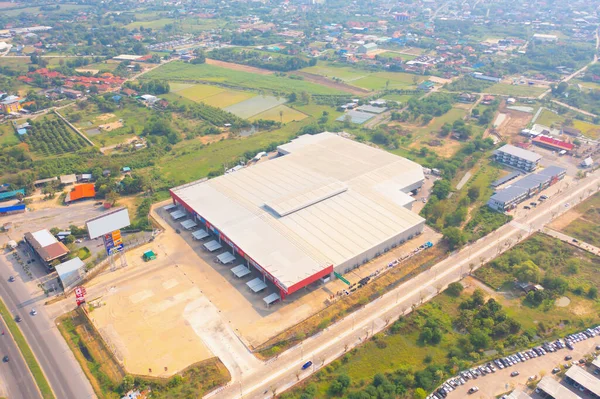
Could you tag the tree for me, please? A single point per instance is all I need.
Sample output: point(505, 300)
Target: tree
point(455, 237)
point(473, 193)
point(454, 289)
point(420, 393)
point(593, 292)
point(528, 272)
point(441, 189)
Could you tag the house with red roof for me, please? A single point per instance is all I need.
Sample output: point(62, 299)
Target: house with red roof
point(552, 143)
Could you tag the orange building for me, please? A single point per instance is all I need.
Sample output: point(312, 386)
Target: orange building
point(80, 192)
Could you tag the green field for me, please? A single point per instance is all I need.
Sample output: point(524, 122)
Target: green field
point(549, 118)
point(379, 81)
point(332, 70)
point(287, 114)
point(36, 10)
point(363, 78)
point(588, 129)
point(213, 95)
point(184, 72)
point(207, 158)
point(154, 24)
point(393, 54)
point(102, 66)
point(8, 137)
point(515, 90)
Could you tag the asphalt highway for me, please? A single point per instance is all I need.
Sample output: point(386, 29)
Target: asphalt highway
point(56, 359)
point(18, 382)
point(280, 374)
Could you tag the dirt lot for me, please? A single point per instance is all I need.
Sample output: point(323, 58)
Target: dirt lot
point(111, 126)
point(239, 67)
point(141, 319)
point(105, 117)
point(513, 123)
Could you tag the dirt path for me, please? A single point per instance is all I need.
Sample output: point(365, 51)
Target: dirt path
point(238, 67)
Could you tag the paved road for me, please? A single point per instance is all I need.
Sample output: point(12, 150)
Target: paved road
point(18, 382)
point(570, 240)
point(56, 359)
point(284, 372)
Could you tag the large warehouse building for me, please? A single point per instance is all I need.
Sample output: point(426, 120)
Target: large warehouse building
point(326, 204)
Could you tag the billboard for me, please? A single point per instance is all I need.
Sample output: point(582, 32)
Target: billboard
point(80, 295)
point(108, 222)
point(113, 242)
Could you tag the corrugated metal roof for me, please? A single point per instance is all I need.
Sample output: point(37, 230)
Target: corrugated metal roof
point(44, 238)
point(585, 379)
point(520, 153)
point(555, 389)
point(303, 240)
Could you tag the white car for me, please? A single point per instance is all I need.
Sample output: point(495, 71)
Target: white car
point(33, 312)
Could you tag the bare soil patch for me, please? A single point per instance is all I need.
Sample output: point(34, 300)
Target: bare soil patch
point(84, 70)
point(212, 138)
point(239, 67)
point(111, 126)
point(513, 123)
point(565, 219)
point(105, 117)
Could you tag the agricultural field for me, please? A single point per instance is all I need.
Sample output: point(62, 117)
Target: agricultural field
point(551, 119)
point(365, 79)
point(515, 90)
point(332, 70)
point(588, 129)
point(155, 24)
point(280, 113)
point(36, 10)
point(390, 80)
point(205, 73)
point(213, 95)
point(52, 136)
point(254, 106)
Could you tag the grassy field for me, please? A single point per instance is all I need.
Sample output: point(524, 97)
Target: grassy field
point(515, 90)
point(183, 72)
point(36, 10)
point(287, 114)
point(586, 227)
point(390, 80)
point(255, 105)
point(154, 24)
point(102, 66)
point(207, 158)
point(394, 55)
point(549, 118)
point(331, 70)
point(32, 363)
point(8, 137)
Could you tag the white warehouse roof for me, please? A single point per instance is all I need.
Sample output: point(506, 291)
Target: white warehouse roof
point(326, 201)
point(520, 153)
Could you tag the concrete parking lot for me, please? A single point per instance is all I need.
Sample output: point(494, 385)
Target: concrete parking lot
point(500, 382)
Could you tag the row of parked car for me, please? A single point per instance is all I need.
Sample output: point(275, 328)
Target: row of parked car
point(510, 360)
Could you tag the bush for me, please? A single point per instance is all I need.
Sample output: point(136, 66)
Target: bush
point(455, 289)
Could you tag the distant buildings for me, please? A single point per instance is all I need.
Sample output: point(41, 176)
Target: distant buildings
point(480, 76)
point(367, 48)
point(545, 38)
point(517, 157)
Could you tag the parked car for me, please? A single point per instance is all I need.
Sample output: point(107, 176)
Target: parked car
point(514, 373)
point(473, 390)
point(11, 278)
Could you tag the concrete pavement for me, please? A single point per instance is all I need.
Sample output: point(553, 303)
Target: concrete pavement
point(283, 372)
point(570, 240)
point(18, 383)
